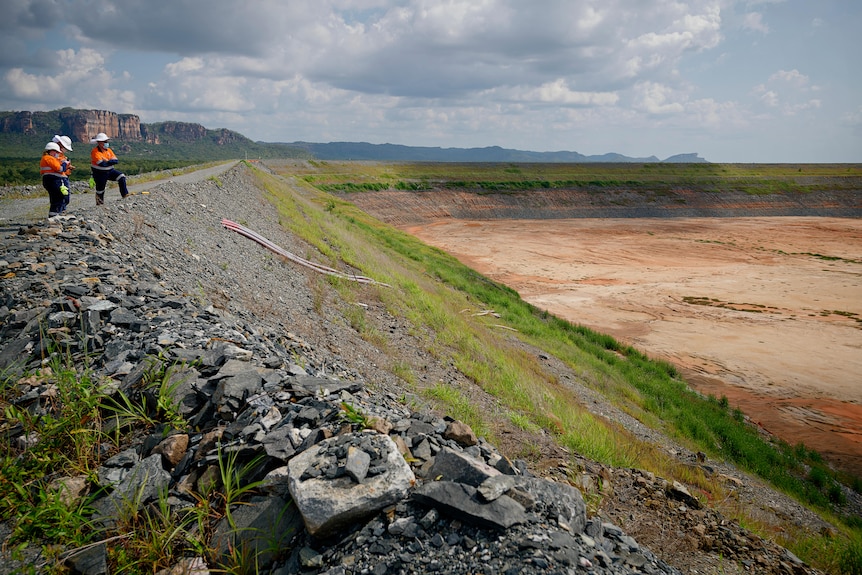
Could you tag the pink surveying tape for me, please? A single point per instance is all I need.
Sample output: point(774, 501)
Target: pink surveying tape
point(244, 231)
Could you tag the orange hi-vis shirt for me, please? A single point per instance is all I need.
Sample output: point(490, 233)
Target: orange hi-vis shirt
point(51, 166)
point(97, 155)
point(62, 157)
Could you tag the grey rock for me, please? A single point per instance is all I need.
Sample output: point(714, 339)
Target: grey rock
point(679, 492)
point(232, 367)
point(323, 386)
point(357, 464)
point(258, 528)
point(328, 505)
point(142, 484)
point(462, 502)
point(123, 317)
point(559, 501)
point(451, 465)
point(495, 486)
point(278, 444)
point(15, 355)
point(237, 387)
point(89, 560)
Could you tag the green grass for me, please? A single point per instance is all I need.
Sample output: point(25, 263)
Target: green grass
point(651, 390)
point(83, 425)
point(435, 294)
point(432, 289)
point(651, 179)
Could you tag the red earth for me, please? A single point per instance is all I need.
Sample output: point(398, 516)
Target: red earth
point(764, 311)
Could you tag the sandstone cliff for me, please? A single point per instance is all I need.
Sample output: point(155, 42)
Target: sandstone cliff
point(18, 122)
point(82, 125)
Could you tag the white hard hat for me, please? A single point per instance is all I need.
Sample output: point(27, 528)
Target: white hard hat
point(100, 137)
point(52, 146)
point(64, 141)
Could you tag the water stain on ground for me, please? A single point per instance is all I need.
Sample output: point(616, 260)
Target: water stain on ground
point(764, 311)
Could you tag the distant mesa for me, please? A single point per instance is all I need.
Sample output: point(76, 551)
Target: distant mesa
point(81, 125)
point(692, 158)
point(393, 152)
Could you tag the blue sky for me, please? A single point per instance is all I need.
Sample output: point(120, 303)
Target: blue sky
point(734, 81)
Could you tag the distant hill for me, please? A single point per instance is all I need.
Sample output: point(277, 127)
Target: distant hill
point(24, 133)
point(394, 152)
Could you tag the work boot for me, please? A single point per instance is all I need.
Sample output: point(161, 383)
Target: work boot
point(100, 199)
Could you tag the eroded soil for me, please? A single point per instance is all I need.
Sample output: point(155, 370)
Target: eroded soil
point(764, 311)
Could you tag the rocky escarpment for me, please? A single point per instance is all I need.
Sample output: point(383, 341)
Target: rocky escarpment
point(263, 369)
point(82, 125)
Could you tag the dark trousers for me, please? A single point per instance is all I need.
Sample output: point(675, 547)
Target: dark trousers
point(52, 184)
point(101, 178)
point(68, 195)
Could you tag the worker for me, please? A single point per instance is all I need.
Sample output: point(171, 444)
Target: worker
point(65, 143)
point(53, 171)
point(102, 162)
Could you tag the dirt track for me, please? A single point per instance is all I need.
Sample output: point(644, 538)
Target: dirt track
point(764, 311)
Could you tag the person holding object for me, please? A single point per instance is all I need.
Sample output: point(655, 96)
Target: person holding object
point(53, 171)
point(65, 143)
point(102, 162)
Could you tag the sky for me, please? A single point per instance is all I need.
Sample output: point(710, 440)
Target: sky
point(759, 81)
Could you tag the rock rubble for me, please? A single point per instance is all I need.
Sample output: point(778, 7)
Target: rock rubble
point(348, 478)
point(243, 391)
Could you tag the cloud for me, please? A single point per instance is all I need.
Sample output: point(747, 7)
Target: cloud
point(443, 72)
point(657, 98)
point(411, 47)
point(557, 92)
point(422, 52)
point(788, 92)
point(76, 76)
point(754, 21)
point(792, 78)
point(768, 97)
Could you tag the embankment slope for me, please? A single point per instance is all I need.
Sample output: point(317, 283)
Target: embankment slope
point(754, 297)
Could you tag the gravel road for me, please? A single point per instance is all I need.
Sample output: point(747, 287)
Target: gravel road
point(30, 203)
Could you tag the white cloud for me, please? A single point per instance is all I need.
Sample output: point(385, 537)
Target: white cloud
point(657, 98)
point(558, 92)
point(184, 67)
point(754, 21)
point(768, 97)
point(28, 86)
point(787, 91)
point(78, 76)
point(443, 72)
point(791, 77)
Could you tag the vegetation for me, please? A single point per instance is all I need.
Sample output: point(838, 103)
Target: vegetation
point(443, 301)
point(432, 290)
point(85, 425)
point(19, 153)
point(17, 171)
point(650, 179)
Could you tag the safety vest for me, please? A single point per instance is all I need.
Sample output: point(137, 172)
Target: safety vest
point(97, 155)
point(51, 166)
